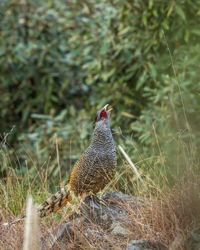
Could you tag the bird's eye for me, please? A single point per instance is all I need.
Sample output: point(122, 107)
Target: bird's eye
point(103, 114)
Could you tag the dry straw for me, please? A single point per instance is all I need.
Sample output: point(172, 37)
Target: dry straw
point(31, 230)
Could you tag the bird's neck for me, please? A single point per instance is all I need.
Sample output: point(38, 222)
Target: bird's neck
point(102, 135)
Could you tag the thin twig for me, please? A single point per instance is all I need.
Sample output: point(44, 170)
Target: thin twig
point(4, 141)
point(130, 162)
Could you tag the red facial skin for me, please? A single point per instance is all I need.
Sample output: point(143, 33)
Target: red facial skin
point(103, 113)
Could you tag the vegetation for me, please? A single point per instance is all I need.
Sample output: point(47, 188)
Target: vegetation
point(61, 62)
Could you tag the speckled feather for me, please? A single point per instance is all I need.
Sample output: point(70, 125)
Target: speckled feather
point(95, 169)
point(55, 202)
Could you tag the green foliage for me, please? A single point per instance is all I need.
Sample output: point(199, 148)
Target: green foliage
point(61, 62)
point(80, 54)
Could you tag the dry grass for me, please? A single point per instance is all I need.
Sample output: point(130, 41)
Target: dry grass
point(31, 229)
point(167, 217)
point(171, 213)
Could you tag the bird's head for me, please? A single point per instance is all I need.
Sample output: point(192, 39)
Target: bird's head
point(103, 114)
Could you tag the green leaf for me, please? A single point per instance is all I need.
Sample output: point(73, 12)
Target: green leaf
point(108, 74)
point(180, 12)
point(144, 19)
point(186, 36)
point(170, 10)
point(141, 80)
point(196, 32)
point(40, 116)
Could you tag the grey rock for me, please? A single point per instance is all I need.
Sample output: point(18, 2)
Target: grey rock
point(118, 229)
point(145, 245)
point(104, 221)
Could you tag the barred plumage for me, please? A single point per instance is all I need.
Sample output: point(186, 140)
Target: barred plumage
point(94, 170)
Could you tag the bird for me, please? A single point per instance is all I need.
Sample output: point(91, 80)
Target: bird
point(92, 172)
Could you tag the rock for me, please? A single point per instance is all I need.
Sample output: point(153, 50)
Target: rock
point(145, 245)
point(107, 223)
point(118, 229)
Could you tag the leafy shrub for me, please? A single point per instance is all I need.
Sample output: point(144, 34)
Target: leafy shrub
point(60, 62)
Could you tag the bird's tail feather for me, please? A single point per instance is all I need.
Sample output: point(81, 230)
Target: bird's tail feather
point(55, 202)
point(51, 205)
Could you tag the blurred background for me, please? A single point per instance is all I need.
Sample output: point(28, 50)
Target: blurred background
point(60, 61)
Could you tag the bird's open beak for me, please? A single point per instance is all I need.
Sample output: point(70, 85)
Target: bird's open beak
point(106, 106)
